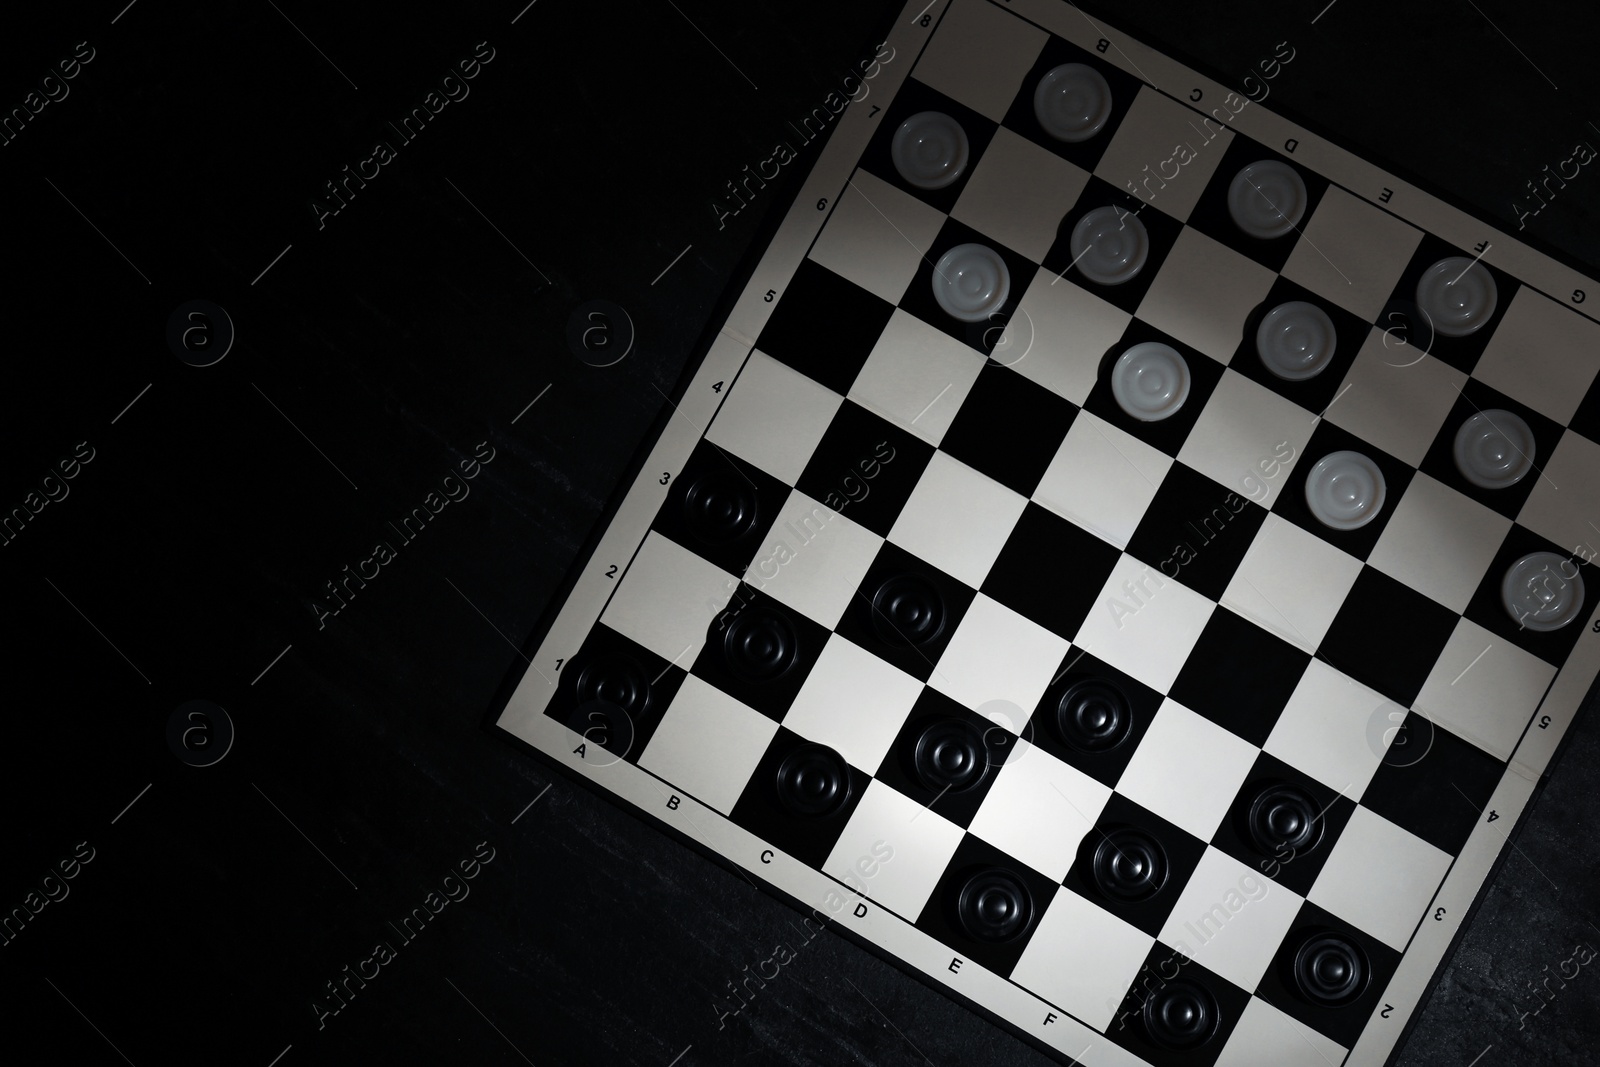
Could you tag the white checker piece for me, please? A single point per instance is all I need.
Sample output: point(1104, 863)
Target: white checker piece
point(996, 654)
point(1335, 729)
point(917, 377)
point(877, 236)
point(1153, 641)
point(1395, 396)
point(814, 559)
point(1187, 769)
point(1292, 583)
point(1439, 542)
point(1379, 878)
point(774, 417)
point(1574, 466)
point(1078, 953)
point(1266, 1037)
point(1484, 688)
point(1243, 424)
point(853, 702)
point(923, 842)
point(1148, 136)
point(668, 598)
point(1070, 330)
point(1230, 919)
point(708, 744)
point(1038, 810)
point(957, 519)
point(1203, 294)
point(1018, 194)
point(980, 56)
point(1541, 354)
point(1352, 253)
point(1102, 478)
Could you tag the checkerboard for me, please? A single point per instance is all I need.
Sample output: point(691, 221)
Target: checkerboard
point(871, 532)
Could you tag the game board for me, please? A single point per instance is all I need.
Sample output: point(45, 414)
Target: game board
point(1123, 556)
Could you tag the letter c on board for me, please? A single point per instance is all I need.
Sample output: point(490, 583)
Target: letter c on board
point(766, 856)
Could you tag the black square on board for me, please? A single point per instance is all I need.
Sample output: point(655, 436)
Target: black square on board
point(1403, 315)
point(1022, 119)
point(1212, 218)
point(865, 465)
point(1586, 420)
point(1239, 676)
point(1092, 716)
point(1179, 852)
point(761, 810)
point(919, 300)
point(1050, 571)
point(936, 600)
point(1342, 1022)
point(1437, 785)
point(1558, 576)
point(1387, 636)
point(1168, 434)
point(1274, 786)
point(759, 651)
point(1169, 973)
point(936, 721)
point(613, 692)
point(1009, 428)
point(914, 97)
point(940, 918)
point(1440, 461)
point(1196, 531)
point(1161, 229)
point(720, 507)
point(824, 326)
point(1291, 501)
point(1316, 393)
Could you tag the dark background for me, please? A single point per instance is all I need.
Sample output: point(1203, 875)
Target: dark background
point(375, 354)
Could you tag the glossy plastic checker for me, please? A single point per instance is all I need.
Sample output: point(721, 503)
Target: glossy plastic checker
point(1175, 667)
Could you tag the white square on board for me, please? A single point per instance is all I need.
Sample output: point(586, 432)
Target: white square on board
point(1484, 688)
point(668, 598)
point(1396, 396)
point(979, 55)
point(1187, 769)
point(1102, 478)
point(1352, 253)
point(708, 744)
point(1160, 135)
point(917, 377)
point(1063, 332)
point(1379, 878)
point(1335, 729)
point(1292, 583)
point(997, 655)
point(1203, 293)
point(773, 417)
point(1561, 505)
point(877, 236)
point(813, 559)
point(1078, 954)
point(853, 702)
point(1230, 918)
point(1038, 810)
point(1243, 425)
point(1439, 542)
point(921, 842)
point(1266, 1037)
point(957, 519)
point(1019, 193)
point(1144, 623)
point(1542, 354)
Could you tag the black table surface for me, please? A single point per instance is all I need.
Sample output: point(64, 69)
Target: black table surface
point(378, 346)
